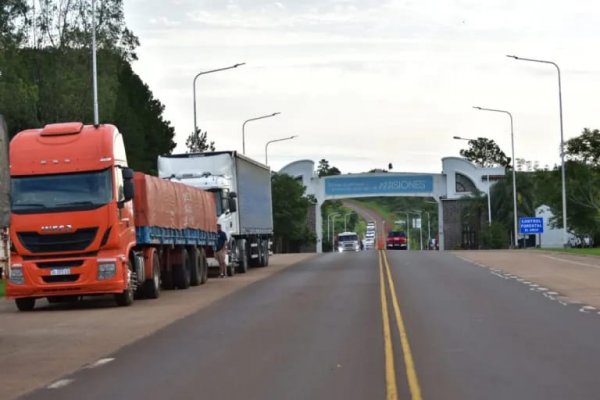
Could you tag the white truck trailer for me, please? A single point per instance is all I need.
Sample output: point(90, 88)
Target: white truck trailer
point(242, 188)
point(4, 200)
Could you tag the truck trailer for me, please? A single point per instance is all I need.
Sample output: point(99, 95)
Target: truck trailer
point(242, 189)
point(83, 223)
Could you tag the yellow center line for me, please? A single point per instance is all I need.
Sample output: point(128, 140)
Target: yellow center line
point(411, 373)
point(390, 372)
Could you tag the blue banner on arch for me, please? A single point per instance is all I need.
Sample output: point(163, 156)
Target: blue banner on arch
point(348, 186)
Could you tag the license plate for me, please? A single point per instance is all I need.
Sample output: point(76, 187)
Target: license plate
point(60, 271)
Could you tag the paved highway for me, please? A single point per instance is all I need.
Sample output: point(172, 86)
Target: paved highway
point(361, 326)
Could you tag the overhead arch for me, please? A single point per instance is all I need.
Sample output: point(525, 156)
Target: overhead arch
point(458, 178)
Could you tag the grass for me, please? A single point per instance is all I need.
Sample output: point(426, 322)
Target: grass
point(590, 251)
point(1, 288)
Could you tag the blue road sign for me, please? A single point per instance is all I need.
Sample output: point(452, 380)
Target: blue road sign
point(531, 225)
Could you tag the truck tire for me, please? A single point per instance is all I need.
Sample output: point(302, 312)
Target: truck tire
point(242, 266)
point(125, 298)
point(152, 286)
point(195, 267)
point(234, 257)
point(182, 272)
point(265, 261)
point(25, 303)
point(204, 268)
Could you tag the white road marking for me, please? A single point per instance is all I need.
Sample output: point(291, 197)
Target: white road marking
point(59, 384)
point(571, 261)
point(587, 309)
point(100, 362)
point(549, 294)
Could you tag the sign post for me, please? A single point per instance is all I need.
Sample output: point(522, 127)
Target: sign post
point(530, 225)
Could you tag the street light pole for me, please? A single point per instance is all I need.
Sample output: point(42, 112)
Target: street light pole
point(273, 141)
point(428, 229)
point(407, 227)
point(244, 128)
point(204, 73)
point(512, 140)
point(328, 219)
point(562, 143)
point(346, 215)
point(489, 201)
point(333, 230)
point(94, 65)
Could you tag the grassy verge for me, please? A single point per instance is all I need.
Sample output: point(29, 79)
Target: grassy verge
point(593, 251)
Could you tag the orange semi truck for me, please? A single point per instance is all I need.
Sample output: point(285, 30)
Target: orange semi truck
point(83, 223)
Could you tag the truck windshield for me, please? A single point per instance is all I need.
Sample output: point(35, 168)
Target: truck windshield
point(348, 238)
point(64, 192)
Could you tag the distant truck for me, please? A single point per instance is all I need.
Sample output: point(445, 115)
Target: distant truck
point(76, 231)
point(396, 240)
point(4, 199)
point(242, 189)
point(348, 241)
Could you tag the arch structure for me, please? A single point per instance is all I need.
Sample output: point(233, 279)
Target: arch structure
point(458, 178)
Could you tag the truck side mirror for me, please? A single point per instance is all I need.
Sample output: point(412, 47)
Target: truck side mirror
point(232, 205)
point(127, 174)
point(128, 188)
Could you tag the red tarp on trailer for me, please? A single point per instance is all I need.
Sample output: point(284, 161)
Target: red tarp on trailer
point(167, 204)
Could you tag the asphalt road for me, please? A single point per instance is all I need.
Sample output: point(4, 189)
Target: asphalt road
point(324, 329)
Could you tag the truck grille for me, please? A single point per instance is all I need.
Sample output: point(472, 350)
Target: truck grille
point(60, 278)
point(75, 241)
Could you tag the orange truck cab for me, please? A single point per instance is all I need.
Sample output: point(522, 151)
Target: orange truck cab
point(73, 227)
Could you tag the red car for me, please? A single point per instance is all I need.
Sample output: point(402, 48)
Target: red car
point(396, 240)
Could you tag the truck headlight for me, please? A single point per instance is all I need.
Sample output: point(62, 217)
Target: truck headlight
point(15, 274)
point(106, 269)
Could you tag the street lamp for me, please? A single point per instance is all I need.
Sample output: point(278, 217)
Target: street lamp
point(407, 228)
point(512, 140)
point(328, 217)
point(428, 229)
point(244, 128)
point(346, 215)
point(488, 180)
point(273, 141)
point(333, 231)
point(562, 143)
point(204, 73)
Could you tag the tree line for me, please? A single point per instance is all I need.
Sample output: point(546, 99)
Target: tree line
point(45, 74)
point(539, 186)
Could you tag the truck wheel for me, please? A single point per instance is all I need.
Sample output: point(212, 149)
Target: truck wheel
point(204, 268)
point(152, 286)
point(242, 266)
point(126, 297)
point(182, 272)
point(265, 262)
point(25, 303)
point(195, 267)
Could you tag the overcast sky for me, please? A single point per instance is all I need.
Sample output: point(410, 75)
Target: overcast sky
point(365, 82)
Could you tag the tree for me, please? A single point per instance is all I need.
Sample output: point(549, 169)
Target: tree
point(197, 142)
point(12, 22)
point(67, 25)
point(45, 75)
point(325, 170)
point(485, 152)
point(585, 147)
point(290, 211)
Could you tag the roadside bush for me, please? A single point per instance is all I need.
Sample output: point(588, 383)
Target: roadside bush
point(494, 236)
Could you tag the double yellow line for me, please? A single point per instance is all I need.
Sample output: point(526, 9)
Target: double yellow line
point(409, 364)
